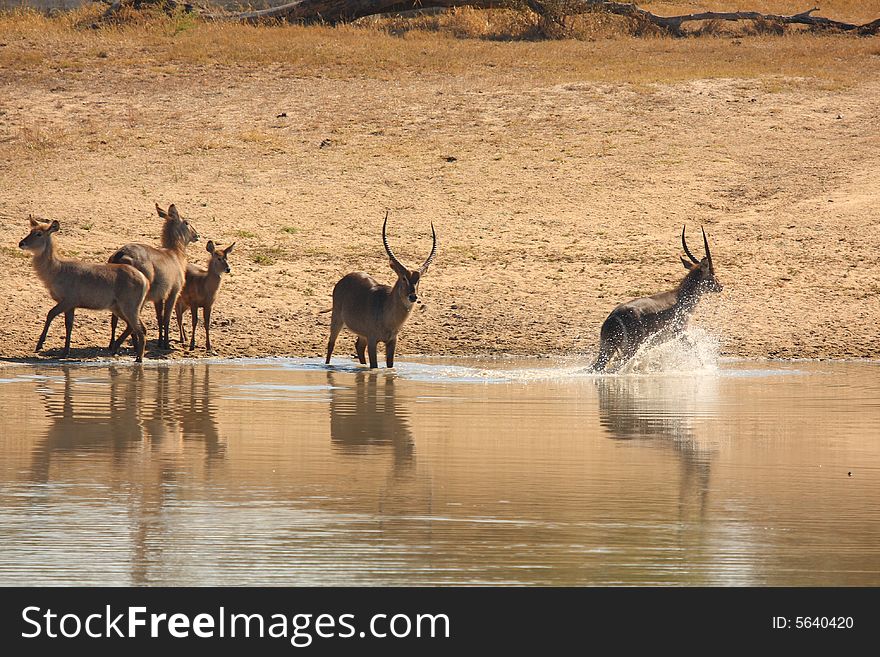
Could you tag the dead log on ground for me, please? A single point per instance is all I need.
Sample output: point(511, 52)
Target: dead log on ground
point(337, 11)
point(673, 24)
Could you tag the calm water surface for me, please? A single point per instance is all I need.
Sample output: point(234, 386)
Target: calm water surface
point(441, 472)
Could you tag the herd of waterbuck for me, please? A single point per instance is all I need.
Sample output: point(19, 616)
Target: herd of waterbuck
point(374, 312)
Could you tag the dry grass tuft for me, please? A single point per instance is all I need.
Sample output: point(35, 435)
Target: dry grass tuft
point(35, 139)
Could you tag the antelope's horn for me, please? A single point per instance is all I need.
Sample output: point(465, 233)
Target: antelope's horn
point(385, 242)
point(685, 246)
point(425, 266)
point(706, 245)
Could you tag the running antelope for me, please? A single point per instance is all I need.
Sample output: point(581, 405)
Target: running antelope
point(376, 312)
point(75, 284)
point(200, 291)
point(164, 267)
point(632, 323)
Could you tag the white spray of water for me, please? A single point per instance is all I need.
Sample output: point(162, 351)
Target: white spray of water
point(693, 352)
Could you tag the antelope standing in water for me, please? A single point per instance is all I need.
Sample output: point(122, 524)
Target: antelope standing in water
point(75, 284)
point(376, 312)
point(164, 268)
point(200, 291)
point(632, 323)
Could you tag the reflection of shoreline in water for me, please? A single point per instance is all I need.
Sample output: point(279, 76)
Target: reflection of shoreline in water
point(368, 418)
point(661, 412)
point(162, 408)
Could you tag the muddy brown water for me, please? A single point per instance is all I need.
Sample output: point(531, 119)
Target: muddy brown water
point(282, 472)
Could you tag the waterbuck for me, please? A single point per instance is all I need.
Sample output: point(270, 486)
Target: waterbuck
point(165, 269)
point(200, 291)
point(376, 312)
point(76, 284)
point(632, 323)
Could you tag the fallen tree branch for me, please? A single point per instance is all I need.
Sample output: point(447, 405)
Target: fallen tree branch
point(116, 6)
point(673, 24)
point(405, 13)
point(335, 11)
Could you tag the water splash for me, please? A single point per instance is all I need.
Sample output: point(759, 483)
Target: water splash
point(693, 352)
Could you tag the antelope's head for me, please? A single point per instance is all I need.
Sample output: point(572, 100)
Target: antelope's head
point(701, 272)
point(219, 263)
point(176, 229)
point(408, 279)
point(38, 239)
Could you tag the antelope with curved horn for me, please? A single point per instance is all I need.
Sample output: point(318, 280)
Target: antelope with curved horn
point(632, 323)
point(376, 312)
point(76, 284)
point(164, 267)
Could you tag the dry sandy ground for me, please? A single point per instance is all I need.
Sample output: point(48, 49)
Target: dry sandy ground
point(563, 199)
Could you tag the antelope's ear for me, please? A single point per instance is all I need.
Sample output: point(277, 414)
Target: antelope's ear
point(54, 227)
point(687, 263)
point(399, 269)
point(161, 212)
point(209, 247)
point(172, 212)
point(34, 222)
point(229, 248)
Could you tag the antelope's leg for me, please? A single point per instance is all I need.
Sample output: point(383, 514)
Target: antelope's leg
point(140, 341)
point(372, 343)
point(335, 328)
point(138, 333)
point(360, 347)
point(605, 354)
point(158, 305)
point(194, 311)
point(207, 312)
point(389, 352)
point(178, 311)
point(114, 320)
point(130, 313)
point(68, 329)
point(166, 316)
point(114, 348)
point(52, 314)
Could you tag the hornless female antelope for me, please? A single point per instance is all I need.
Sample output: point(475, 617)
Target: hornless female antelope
point(375, 312)
point(76, 284)
point(200, 291)
point(632, 323)
point(164, 268)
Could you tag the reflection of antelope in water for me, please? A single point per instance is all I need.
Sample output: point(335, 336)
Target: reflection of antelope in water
point(164, 411)
point(632, 324)
point(110, 425)
point(368, 418)
point(660, 411)
point(196, 412)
